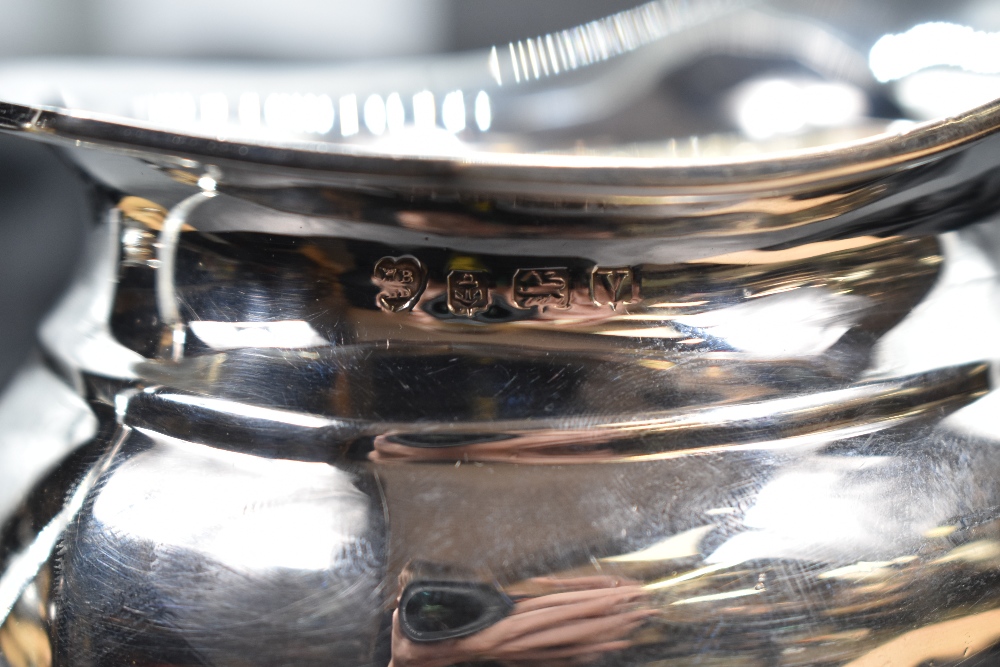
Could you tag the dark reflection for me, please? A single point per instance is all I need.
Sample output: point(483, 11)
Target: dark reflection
point(497, 312)
point(436, 610)
point(438, 440)
point(545, 621)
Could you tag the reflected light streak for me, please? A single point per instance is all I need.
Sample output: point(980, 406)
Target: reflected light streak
point(23, 566)
point(288, 334)
point(719, 596)
point(937, 93)
point(214, 109)
point(453, 111)
point(349, 115)
point(513, 63)
point(395, 115)
point(297, 113)
point(553, 56)
point(681, 545)
point(249, 110)
point(533, 58)
point(935, 44)
point(940, 531)
point(797, 322)
point(374, 112)
point(808, 502)
point(542, 57)
point(483, 113)
point(973, 552)
point(804, 512)
point(954, 639)
point(867, 569)
point(243, 511)
point(495, 66)
point(237, 409)
point(175, 109)
point(566, 51)
point(650, 332)
point(773, 107)
point(687, 576)
point(423, 110)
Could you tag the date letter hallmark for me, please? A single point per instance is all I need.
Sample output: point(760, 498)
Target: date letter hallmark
point(542, 288)
point(402, 281)
point(610, 287)
point(468, 292)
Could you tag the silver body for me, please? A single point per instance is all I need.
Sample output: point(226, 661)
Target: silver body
point(681, 411)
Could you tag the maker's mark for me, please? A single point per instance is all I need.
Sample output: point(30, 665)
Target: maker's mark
point(402, 281)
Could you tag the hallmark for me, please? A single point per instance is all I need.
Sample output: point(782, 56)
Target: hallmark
point(610, 287)
point(402, 281)
point(468, 292)
point(541, 287)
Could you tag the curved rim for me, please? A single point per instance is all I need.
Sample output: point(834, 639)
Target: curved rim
point(554, 173)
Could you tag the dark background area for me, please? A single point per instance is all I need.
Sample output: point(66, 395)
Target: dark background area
point(42, 201)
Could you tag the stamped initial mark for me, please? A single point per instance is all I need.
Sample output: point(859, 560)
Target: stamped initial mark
point(402, 281)
point(541, 287)
point(468, 292)
point(610, 287)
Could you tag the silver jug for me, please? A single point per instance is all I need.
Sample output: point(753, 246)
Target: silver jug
point(378, 365)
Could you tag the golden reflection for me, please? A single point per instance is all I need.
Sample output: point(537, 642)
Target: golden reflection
point(715, 597)
point(867, 570)
point(688, 576)
point(950, 640)
point(681, 545)
point(144, 211)
point(25, 635)
point(798, 253)
point(940, 531)
point(980, 551)
point(24, 643)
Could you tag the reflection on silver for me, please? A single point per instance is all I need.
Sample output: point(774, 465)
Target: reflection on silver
point(265, 514)
point(291, 334)
point(22, 566)
point(349, 115)
point(295, 113)
point(605, 38)
point(483, 111)
point(698, 401)
point(375, 115)
point(933, 45)
point(774, 107)
point(42, 420)
point(166, 298)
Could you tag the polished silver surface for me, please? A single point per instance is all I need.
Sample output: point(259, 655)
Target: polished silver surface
point(471, 395)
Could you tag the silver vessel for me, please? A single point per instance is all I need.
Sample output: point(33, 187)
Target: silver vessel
point(379, 365)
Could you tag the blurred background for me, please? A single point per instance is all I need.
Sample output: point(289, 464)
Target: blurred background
point(42, 208)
